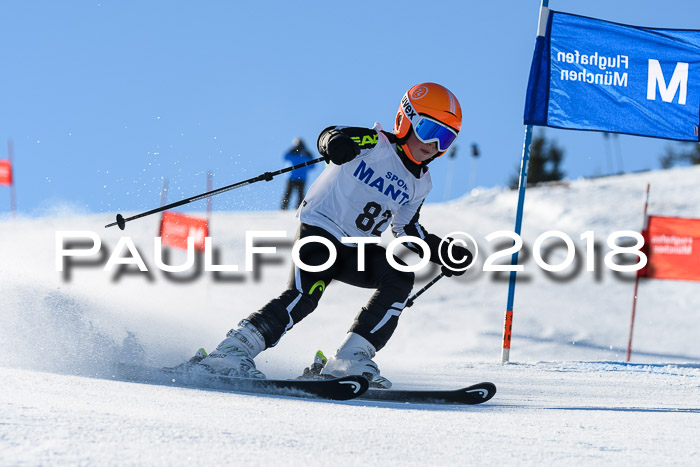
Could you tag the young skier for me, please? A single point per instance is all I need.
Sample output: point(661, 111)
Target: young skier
point(373, 177)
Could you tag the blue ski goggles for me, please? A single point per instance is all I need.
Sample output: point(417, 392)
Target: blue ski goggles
point(428, 130)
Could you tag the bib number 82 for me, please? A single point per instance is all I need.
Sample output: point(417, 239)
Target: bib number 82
point(368, 218)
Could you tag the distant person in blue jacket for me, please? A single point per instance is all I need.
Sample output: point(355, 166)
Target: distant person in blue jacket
point(298, 154)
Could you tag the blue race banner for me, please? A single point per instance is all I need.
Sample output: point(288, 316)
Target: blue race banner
point(589, 74)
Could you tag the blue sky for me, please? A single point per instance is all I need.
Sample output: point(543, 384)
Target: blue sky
point(104, 99)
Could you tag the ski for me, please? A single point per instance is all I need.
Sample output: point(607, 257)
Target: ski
point(471, 395)
point(345, 388)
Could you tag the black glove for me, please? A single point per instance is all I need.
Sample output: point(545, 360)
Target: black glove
point(337, 148)
point(462, 256)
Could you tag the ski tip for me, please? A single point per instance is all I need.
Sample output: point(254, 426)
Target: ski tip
point(358, 385)
point(485, 391)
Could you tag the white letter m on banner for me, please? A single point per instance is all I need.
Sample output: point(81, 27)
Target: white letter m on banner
point(678, 80)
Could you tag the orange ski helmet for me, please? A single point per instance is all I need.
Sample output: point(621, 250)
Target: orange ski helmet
point(432, 112)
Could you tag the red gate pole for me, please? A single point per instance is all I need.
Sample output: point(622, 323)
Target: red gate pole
point(636, 283)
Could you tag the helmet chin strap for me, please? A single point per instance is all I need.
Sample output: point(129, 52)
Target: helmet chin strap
point(403, 144)
point(404, 148)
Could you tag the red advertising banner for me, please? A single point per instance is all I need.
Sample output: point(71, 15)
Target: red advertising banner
point(673, 248)
point(5, 172)
point(175, 228)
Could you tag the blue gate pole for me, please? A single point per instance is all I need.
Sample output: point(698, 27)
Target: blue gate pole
point(508, 326)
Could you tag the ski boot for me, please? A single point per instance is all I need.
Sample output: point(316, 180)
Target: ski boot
point(234, 355)
point(192, 363)
point(354, 357)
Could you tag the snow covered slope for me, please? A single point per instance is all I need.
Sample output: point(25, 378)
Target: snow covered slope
point(566, 395)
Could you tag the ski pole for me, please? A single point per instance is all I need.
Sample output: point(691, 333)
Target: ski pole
point(410, 301)
point(267, 176)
